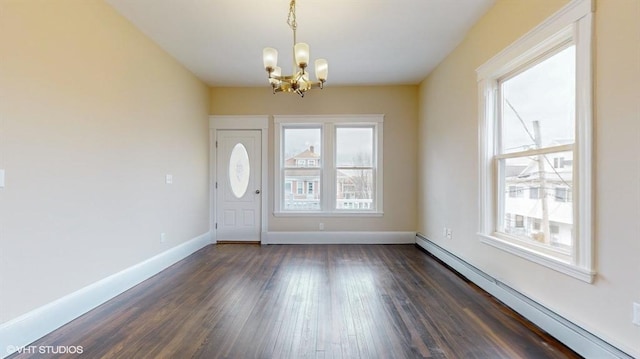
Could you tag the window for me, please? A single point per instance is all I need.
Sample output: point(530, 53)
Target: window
point(516, 192)
point(287, 187)
point(562, 194)
point(343, 164)
point(558, 162)
point(535, 133)
point(536, 224)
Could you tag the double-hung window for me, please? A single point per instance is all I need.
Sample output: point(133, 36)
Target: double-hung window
point(338, 158)
point(536, 133)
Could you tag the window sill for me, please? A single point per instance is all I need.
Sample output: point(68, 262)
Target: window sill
point(583, 274)
point(328, 214)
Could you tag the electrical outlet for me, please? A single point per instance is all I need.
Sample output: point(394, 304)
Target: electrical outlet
point(168, 179)
point(449, 233)
point(163, 237)
point(636, 314)
point(321, 226)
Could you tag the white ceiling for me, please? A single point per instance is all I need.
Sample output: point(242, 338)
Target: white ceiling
point(366, 42)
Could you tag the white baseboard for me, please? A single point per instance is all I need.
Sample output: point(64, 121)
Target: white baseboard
point(573, 336)
point(26, 329)
point(322, 237)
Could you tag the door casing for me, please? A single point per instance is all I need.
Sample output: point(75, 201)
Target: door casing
point(260, 123)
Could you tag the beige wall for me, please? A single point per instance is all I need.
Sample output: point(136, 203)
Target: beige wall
point(92, 117)
point(400, 107)
point(448, 166)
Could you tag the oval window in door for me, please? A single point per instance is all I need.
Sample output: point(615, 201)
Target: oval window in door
point(239, 170)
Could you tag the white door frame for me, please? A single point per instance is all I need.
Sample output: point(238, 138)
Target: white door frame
point(260, 123)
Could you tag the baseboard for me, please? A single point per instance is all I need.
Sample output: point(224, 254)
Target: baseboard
point(322, 237)
point(26, 329)
point(578, 339)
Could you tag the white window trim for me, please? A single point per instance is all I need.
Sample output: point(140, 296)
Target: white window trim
point(575, 20)
point(326, 166)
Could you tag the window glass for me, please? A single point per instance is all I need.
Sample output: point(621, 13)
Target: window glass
point(300, 145)
point(549, 199)
point(538, 112)
point(354, 172)
point(354, 146)
point(301, 148)
point(538, 104)
point(355, 189)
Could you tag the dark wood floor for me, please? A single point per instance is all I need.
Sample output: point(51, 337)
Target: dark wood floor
point(305, 301)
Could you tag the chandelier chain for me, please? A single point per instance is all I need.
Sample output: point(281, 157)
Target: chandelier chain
point(291, 19)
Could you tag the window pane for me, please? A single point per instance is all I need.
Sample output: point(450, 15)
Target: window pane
point(302, 147)
point(544, 215)
point(354, 146)
point(305, 193)
point(354, 189)
point(301, 154)
point(538, 104)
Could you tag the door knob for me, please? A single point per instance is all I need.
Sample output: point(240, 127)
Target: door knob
point(257, 191)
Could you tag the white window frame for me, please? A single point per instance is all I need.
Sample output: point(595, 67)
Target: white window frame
point(574, 22)
point(328, 188)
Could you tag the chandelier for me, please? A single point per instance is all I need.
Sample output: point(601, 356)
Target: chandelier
point(299, 82)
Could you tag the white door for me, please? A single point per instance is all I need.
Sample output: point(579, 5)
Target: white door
point(238, 192)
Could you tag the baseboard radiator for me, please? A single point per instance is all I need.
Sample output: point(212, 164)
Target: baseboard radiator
point(578, 339)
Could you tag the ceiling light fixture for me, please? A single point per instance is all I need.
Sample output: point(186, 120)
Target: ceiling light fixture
point(299, 82)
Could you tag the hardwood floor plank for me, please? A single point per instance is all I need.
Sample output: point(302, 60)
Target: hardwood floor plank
point(305, 301)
